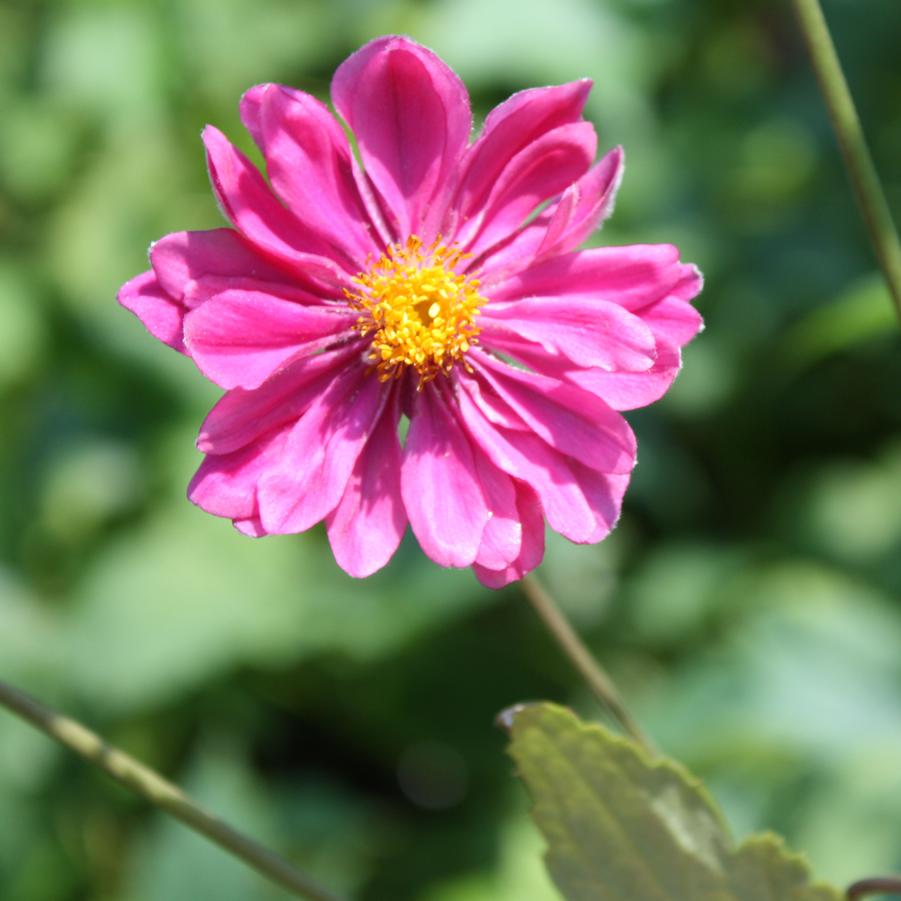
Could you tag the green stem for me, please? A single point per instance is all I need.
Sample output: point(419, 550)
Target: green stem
point(597, 679)
point(858, 162)
point(153, 788)
point(879, 885)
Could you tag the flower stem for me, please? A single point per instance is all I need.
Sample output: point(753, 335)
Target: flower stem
point(153, 788)
point(858, 162)
point(597, 679)
point(879, 885)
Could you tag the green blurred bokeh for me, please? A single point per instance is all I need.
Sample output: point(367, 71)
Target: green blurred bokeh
point(748, 601)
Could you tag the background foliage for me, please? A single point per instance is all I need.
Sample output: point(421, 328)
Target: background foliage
point(748, 602)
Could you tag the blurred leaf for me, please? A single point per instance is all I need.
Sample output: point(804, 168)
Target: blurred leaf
point(315, 824)
point(619, 825)
point(598, 41)
point(809, 661)
point(185, 597)
point(519, 874)
point(311, 812)
point(791, 709)
point(95, 241)
point(583, 579)
point(119, 81)
point(848, 509)
point(862, 312)
point(227, 47)
point(87, 484)
point(679, 588)
point(174, 864)
point(29, 634)
point(37, 148)
point(848, 824)
point(21, 327)
point(13, 46)
point(776, 161)
point(708, 379)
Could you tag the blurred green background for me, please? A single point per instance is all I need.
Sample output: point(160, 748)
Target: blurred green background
point(748, 602)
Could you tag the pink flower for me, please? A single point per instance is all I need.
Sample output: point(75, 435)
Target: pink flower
point(344, 299)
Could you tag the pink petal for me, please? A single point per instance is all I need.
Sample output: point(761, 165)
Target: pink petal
point(565, 224)
point(309, 162)
point(374, 206)
point(511, 255)
point(527, 458)
point(367, 526)
point(590, 333)
point(632, 390)
point(241, 417)
point(180, 259)
point(440, 484)
point(249, 204)
point(410, 114)
point(510, 128)
point(492, 407)
point(192, 266)
point(252, 527)
point(208, 286)
point(239, 338)
point(502, 538)
point(671, 320)
point(320, 454)
point(532, 550)
point(584, 205)
point(162, 316)
point(604, 493)
point(621, 390)
point(570, 420)
point(674, 320)
point(633, 276)
point(226, 484)
point(539, 171)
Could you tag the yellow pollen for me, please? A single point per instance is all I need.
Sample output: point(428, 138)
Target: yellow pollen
point(419, 312)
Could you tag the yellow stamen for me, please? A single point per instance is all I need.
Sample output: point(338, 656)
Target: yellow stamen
point(419, 312)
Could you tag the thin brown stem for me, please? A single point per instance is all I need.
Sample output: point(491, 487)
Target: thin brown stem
point(878, 885)
point(597, 679)
point(858, 162)
point(153, 788)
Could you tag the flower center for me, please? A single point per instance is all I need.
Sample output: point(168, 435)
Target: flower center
point(419, 312)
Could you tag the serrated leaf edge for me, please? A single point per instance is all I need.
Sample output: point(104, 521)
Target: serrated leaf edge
point(517, 719)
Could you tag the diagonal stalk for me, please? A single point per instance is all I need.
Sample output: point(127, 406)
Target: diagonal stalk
point(597, 679)
point(153, 788)
point(858, 162)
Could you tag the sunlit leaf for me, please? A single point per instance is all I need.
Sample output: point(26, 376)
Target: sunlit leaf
point(621, 825)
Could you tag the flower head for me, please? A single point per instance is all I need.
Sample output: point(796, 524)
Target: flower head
point(438, 281)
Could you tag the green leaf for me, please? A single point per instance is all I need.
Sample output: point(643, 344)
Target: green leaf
point(620, 825)
point(204, 599)
point(859, 314)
